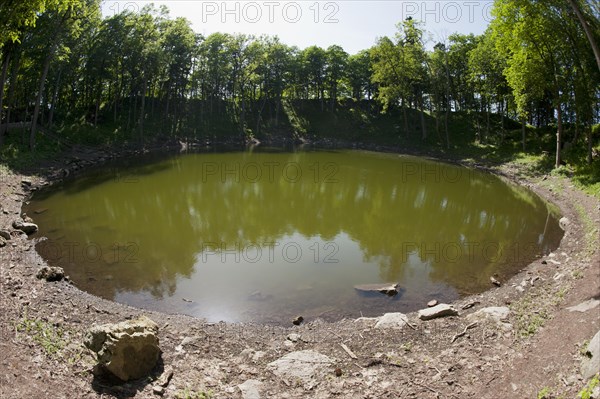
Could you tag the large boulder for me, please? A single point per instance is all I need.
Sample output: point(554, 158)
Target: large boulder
point(129, 349)
point(591, 366)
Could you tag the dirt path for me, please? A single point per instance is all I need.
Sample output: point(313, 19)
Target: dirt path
point(538, 346)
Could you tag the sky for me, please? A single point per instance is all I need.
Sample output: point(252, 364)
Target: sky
point(352, 24)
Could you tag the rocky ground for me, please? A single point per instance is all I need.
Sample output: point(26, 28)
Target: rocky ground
point(524, 339)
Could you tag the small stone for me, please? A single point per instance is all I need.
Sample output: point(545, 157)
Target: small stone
point(26, 227)
point(298, 320)
point(495, 282)
point(305, 366)
point(564, 223)
point(338, 372)
point(585, 306)
point(51, 273)
point(2, 242)
point(432, 303)
point(441, 310)
point(158, 390)
point(165, 377)
point(250, 389)
point(26, 182)
point(392, 320)
point(498, 313)
point(5, 234)
point(293, 337)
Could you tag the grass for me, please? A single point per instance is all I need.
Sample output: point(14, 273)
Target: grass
point(529, 314)
point(590, 230)
point(586, 392)
point(544, 393)
point(48, 336)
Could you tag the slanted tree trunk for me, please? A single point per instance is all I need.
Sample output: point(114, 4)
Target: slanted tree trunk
point(586, 29)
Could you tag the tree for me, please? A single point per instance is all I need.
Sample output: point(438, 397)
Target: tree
point(337, 62)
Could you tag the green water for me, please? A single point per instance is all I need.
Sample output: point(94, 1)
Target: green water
point(267, 235)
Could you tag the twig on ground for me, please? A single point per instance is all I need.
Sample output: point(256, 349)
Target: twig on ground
point(460, 334)
point(348, 351)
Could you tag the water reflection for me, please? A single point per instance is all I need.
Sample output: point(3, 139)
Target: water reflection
point(190, 227)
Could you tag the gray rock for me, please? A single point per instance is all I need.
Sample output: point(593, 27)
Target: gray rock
point(129, 349)
point(251, 389)
point(368, 321)
point(25, 227)
point(584, 306)
point(389, 289)
point(432, 303)
point(564, 223)
point(302, 365)
point(51, 273)
point(392, 320)
point(495, 314)
point(5, 234)
point(26, 182)
point(591, 366)
point(2, 242)
point(441, 310)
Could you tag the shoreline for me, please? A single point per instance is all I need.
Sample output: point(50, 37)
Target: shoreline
point(74, 311)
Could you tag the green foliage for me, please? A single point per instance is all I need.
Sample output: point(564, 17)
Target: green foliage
point(131, 76)
point(544, 393)
point(49, 337)
point(586, 393)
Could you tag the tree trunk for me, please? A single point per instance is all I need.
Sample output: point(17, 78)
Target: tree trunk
point(5, 62)
point(559, 132)
point(13, 86)
point(405, 117)
point(523, 132)
point(36, 109)
point(423, 127)
point(487, 118)
point(589, 144)
point(54, 99)
point(142, 111)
